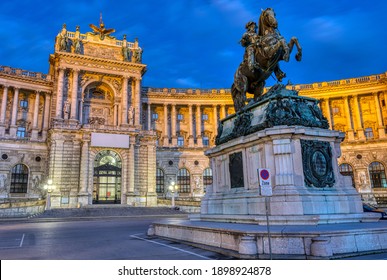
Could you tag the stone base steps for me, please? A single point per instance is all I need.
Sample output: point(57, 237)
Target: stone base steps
point(107, 211)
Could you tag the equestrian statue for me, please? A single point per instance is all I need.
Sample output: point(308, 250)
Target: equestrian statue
point(263, 51)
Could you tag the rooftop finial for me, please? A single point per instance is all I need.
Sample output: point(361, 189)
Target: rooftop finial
point(100, 19)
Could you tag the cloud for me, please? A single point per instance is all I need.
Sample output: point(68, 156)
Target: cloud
point(325, 29)
point(187, 82)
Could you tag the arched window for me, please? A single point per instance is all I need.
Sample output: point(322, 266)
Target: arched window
point(159, 180)
point(346, 170)
point(184, 181)
point(377, 175)
point(207, 178)
point(19, 179)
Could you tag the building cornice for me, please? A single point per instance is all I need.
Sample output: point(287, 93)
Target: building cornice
point(89, 63)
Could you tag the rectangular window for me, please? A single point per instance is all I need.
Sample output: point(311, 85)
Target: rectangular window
point(179, 117)
point(180, 141)
point(21, 132)
point(24, 104)
point(205, 117)
point(159, 181)
point(369, 134)
point(206, 141)
point(155, 116)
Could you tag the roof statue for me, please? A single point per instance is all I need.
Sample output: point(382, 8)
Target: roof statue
point(264, 50)
point(101, 30)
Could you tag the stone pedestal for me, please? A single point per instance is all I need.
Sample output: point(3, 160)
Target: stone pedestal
point(288, 135)
point(307, 186)
point(314, 212)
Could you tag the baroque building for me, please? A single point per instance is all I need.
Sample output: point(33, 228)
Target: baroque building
point(79, 126)
point(90, 128)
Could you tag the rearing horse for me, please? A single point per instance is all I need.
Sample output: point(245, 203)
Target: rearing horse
point(270, 48)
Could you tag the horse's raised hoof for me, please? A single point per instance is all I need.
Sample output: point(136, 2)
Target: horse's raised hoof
point(298, 56)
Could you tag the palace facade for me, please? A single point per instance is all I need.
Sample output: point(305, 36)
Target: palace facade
point(90, 133)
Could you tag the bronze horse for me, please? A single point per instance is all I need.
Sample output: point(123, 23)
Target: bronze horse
point(269, 49)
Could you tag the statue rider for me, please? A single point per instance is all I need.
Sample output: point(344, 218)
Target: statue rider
point(249, 41)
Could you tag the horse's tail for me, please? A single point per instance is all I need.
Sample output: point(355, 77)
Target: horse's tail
point(238, 98)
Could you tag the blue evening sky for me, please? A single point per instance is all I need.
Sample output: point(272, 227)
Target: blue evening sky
point(194, 44)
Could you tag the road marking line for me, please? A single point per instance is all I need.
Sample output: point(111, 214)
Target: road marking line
point(21, 242)
point(175, 248)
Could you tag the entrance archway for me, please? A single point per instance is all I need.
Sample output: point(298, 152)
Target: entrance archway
point(107, 178)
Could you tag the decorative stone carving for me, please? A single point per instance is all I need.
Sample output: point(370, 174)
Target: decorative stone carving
point(279, 106)
point(317, 163)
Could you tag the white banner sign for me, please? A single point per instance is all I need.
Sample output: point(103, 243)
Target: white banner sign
point(110, 140)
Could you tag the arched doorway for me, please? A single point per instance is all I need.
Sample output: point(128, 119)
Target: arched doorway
point(107, 178)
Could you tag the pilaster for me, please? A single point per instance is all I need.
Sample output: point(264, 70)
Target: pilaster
point(34, 135)
point(191, 126)
point(166, 134)
point(350, 132)
point(199, 140)
point(59, 95)
point(74, 95)
point(360, 129)
point(15, 104)
point(381, 129)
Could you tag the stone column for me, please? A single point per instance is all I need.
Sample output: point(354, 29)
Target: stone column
point(190, 124)
point(83, 195)
point(15, 104)
point(80, 109)
point(381, 129)
point(215, 120)
point(3, 109)
point(74, 95)
point(115, 114)
point(350, 133)
point(173, 125)
point(328, 112)
point(47, 105)
point(59, 95)
point(166, 134)
point(360, 130)
point(130, 196)
point(151, 174)
point(199, 139)
point(124, 100)
point(4, 104)
point(137, 103)
point(222, 111)
point(149, 116)
point(35, 128)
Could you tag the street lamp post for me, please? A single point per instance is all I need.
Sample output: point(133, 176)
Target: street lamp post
point(173, 188)
point(49, 187)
